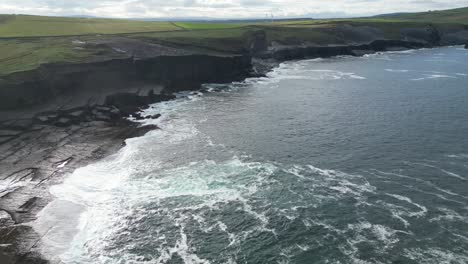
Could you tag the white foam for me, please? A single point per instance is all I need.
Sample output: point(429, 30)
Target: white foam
point(384, 234)
point(63, 164)
point(428, 183)
point(458, 156)
point(396, 70)
point(423, 209)
point(303, 247)
point(449, 215)
point(449, 173)
point(453, 174)
point(184, 251)
point(301, 71)
point(436, 256)
point(434, 76)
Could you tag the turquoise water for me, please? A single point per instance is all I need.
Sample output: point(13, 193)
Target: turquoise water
point(343, 160)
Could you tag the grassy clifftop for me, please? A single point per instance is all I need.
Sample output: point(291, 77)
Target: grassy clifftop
point(459, 15)
point(36, 26)
point(26, 41)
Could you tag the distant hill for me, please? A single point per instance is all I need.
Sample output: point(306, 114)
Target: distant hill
point(458, 15)
point(220, 20)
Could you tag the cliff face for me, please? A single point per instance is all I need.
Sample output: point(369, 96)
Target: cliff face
point(173, 73)
point(91, 83)
point(189, 72)
point(340, 50)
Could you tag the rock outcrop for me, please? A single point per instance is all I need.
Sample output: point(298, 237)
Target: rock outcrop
point(257, 42)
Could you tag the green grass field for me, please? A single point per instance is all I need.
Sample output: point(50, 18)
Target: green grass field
point(29, 41)
point(209, 25)
point(37, 26)
point(459, 15)
point(20, 55)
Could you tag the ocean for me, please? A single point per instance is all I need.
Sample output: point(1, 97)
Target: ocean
point(339, 160)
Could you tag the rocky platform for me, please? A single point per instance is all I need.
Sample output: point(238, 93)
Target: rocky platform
point(37, 152)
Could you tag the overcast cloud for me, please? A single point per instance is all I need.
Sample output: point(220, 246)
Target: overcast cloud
point(221, 8)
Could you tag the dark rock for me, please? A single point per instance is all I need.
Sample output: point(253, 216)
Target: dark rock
point(101, 78)
point(6, 139)
point(258, 42)
point(21, 124)
point(63, 122)
point(115, 111)
point(151, 93)
point(47, 118)
point(137, 116)
point(28, 205)
point(466, 46)
point(127, 102)
point(156, 116)
point(102, 117)
point(103, 108)
point(293, 53)
point(359, 53)
point(434, 35)
point(5, 219)
point(43, 119)
point(428, 35)
point(9, 133)
point(103, 113)
point(77, 114)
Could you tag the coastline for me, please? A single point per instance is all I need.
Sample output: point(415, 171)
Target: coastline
point(48, 151)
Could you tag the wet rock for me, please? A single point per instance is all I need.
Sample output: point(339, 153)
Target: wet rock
point(137, 116)
point(466, 46)
point(127, 102)
point(156, 116)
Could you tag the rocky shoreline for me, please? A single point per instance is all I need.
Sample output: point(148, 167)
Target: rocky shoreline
point(37, 153)
point(64, 117)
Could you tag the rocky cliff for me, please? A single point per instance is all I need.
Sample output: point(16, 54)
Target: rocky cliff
point(94, 81)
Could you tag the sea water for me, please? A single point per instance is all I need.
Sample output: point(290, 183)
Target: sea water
point(340, 160)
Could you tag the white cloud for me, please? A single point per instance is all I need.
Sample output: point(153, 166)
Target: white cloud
point(222, 8)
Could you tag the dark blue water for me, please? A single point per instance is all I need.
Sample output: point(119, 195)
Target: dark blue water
point(343, 160)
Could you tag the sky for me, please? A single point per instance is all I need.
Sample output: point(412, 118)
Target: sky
point(231, 9)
